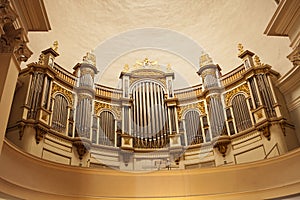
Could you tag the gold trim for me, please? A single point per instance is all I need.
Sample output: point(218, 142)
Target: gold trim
point(68, 94)
point(242, 88)
point(182, 109)
point(100, 106)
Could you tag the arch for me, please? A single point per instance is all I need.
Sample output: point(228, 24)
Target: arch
point(60, 113)
point(193, 127)
point(106, 133)
point(149, 114)
point(191, 109)
point(147, 80)
point(241, 112)
point(246, 95)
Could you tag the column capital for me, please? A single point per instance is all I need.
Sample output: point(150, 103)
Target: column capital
point(12, 40)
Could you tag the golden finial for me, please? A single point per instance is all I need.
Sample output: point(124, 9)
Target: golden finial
point(146, 62)
point(126, 68)
point(169, 67)
point(205, 60)
point(257, 60)
point(55, 45)
point(240, 48)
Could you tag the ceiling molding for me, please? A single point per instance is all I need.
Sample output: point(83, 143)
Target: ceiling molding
point(33, 14)
point(284, 18)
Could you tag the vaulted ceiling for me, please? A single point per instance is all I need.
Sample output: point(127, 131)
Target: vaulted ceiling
point(215, 26)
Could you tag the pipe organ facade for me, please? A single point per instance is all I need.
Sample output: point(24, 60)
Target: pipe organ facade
point(147, 124)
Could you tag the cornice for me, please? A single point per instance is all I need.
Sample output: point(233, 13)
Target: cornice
point(284, 18)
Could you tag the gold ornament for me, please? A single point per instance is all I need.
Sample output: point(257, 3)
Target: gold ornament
point(146, 63)
point(169, 67)
point(242, 88)
point(126, 68)
point(199, 106)
point(115, 109)
point(240, 48)
point(257, 61)
point(68, 94)
point(55, 45)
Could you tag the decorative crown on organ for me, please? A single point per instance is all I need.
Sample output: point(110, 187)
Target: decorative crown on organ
point(90, 58)
point(205, 59)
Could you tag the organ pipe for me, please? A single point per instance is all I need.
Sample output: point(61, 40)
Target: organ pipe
point(148, 113)
point(241, 113)
point(60, 113)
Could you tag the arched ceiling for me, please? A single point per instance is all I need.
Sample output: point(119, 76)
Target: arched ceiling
point(217, 26)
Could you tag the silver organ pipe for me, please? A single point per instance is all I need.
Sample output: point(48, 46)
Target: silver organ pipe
point(60, 113)
point(149, 115)
point(266, 94)
point(254, 92)
point(35, 94)
point(216, 112)
point(83, 117)
point(193, 127)
point(106, 129)
point(241, 113)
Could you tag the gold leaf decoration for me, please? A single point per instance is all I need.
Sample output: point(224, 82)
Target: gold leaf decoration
point(182, 109)
point(57, 88)
point(242, 88)
point(99, 106)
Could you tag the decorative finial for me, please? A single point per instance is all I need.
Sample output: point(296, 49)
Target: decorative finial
point(257, 60)
point(41, 59)
point(240, 48)
point(205, 60)
point(55, 45)
point(90, 58)
point(169, 67)
point(126, 68)
point(146, 63)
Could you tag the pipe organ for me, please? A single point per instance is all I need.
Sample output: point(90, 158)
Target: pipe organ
point(149, 115)
point(146, 121)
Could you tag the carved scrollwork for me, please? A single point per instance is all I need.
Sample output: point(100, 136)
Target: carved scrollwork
point(222, 143)
point(115, 109)
point(11, 40)
point(265, 130)
point(68, 94)
point(82, 146)
point(242, 88)
point(182, 109)
point(40, 132)
point(7, 14)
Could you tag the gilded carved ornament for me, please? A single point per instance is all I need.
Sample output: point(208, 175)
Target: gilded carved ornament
point(68, 94)
point(146, 63)
point(240, 49)
point(257, 61)
point(115, 109)
point(126, 68)
point(182, 109)
point(169, 68)
point(55, 45)
point(41, 59)
point(242, 88)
